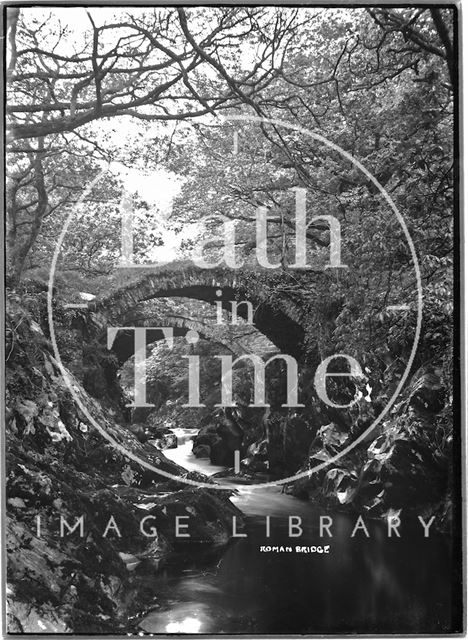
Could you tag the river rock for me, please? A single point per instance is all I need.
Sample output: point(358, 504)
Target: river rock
point(202, 451)
point(166, 440)
point(330, 437)
point(256, 458)
point(258, 450)
point(222, 438)
point(204, 438)
point(340, 484)
point(220, 454)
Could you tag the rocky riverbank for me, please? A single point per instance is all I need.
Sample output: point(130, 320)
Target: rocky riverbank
point(404, 465)
point(59, 466)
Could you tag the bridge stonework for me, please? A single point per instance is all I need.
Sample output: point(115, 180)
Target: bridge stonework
point(279, 318)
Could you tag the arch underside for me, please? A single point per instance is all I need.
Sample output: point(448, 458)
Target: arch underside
point(278, 319)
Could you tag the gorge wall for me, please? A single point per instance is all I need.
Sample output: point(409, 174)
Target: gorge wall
point(58, 465)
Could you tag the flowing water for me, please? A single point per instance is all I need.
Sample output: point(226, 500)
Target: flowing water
point(183, 454)
point(366, 585)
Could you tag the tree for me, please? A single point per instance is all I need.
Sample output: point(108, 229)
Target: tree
point(358, 83)
point(178, 63)
point(425, 30)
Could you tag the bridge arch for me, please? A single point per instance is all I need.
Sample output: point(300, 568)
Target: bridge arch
point(239, 340)
point(279, 318)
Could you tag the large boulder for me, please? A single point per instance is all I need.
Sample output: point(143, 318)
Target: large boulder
point(403, 464)
point(289, 437)
point(220, 453)
point(222, 437)
point(411, 470)
point(202, 451)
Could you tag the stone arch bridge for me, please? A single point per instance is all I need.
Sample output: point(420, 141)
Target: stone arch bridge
point(278, 317)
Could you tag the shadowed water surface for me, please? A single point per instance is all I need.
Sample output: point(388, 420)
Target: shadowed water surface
point(366, 585)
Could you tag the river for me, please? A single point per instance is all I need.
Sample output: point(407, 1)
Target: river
point(366, 585)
